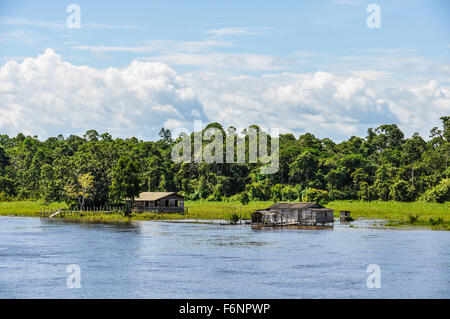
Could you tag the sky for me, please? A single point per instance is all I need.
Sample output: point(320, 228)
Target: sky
point(300, 66)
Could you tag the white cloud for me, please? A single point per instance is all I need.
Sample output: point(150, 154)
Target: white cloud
point(349, 2)
point(105, 26)
point(17, 21)
point(238, 31)
point(321, 103)
point(47, 96)
point(319, 21)
point(159, 45)
point(26, 22)
point(229, 61)
point(371, 74)
point(420, 107)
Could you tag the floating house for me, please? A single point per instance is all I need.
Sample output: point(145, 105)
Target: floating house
point(301, 214)
point(160, 202)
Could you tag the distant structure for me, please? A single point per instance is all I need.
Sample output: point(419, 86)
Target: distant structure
point(345, 216)
point(301, 214)
point(160, 202)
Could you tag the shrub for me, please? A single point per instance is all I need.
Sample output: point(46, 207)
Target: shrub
point(438, 194)
point(276, 192)
point(215, 196)
point(5, 197)
point(400, 191)
point(437, 221)
point(336, 194)
point(233, 218)
point(289, 193)
point(413, 218)
point(259, 190)
point(243, 198)
point(316, 195)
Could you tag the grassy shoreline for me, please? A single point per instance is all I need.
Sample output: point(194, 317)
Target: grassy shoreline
point(397, 214)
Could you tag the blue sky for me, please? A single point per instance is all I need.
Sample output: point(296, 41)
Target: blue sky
point(273, 63)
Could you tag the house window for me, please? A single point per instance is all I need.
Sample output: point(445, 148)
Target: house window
point(167, 203)
point(176, 203)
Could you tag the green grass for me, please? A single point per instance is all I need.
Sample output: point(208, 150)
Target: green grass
point(26, 208)
point(398, 214)
point(222, 210)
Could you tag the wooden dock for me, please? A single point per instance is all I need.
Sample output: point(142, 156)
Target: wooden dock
point(291, 226)
point(49, 212)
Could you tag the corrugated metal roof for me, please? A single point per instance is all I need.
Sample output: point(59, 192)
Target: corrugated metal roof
point(263, 212)
point(322, 209)
point(155, 195)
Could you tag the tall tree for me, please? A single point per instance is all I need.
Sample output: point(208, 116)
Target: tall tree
point(125, 181)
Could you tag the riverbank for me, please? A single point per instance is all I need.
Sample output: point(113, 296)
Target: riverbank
point(397, 214)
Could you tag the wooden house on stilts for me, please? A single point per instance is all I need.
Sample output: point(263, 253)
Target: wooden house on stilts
point(301, 214)
point(159, 202)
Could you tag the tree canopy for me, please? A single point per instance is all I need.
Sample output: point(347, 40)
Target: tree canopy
point(97, 169)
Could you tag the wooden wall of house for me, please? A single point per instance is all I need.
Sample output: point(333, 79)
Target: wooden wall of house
point(171, 201)
point(162, 202)
point(292, 216)
point(324, 217)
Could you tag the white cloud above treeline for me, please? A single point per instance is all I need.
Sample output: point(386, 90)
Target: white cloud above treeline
point(46, 96)
point(321, 103)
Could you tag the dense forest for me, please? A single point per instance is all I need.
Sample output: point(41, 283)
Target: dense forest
point(97, 169)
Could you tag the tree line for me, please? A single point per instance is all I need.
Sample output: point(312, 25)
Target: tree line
point(97, 170)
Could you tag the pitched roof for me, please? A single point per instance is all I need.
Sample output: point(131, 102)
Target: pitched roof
point(322, 209)
point(295, 205)
point(155, 195)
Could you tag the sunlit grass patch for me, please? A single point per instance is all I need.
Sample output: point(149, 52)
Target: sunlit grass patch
point(398, 214)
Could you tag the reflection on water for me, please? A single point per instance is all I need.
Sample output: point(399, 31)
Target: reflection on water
point(126, 226)
point(179, 260)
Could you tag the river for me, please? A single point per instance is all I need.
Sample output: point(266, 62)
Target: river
point(185, 260)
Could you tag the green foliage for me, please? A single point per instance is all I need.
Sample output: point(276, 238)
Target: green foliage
point(433, 215)
point(400, 191)
point(276, 192)
point(316, 195)
point(438, 194)
point(383, 166)
point(437, 221)
point(233, 218)
point(289, 193)
point(6, 187)
point(81, 190)
point(260, 190)
point(244, 199)
point(125, 182)
point(412, 218)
